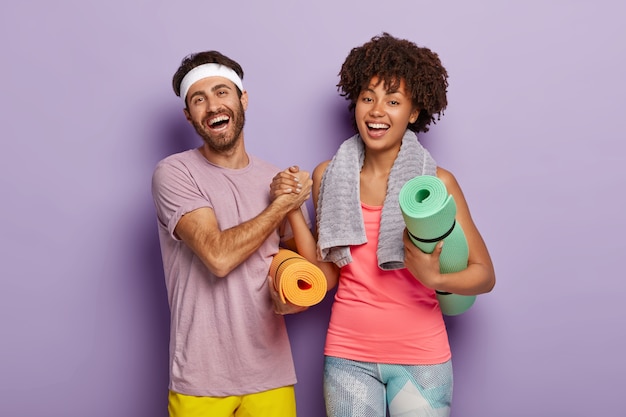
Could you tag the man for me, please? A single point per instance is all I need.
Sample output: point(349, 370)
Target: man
point(219, 227)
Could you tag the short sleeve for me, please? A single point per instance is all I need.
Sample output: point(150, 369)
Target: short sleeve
point(175, 194)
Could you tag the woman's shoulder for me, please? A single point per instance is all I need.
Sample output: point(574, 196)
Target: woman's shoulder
point(451, 183)
point(318, 171)
point(446, 176)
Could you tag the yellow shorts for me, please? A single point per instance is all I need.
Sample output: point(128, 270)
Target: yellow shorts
point(272, 403)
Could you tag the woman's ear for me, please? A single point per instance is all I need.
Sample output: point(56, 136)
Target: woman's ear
point(414, 115)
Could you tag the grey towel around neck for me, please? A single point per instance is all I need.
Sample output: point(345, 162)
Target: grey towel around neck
point(339, 216)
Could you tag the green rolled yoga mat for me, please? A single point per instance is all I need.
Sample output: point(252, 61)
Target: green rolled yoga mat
point(429, 214)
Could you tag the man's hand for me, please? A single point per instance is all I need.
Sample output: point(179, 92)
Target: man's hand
point(279, 306)
point(292, 184)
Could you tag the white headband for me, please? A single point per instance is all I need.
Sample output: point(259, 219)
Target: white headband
point(205, 71)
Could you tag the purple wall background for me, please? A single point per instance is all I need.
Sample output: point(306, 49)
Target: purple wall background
point(537, 94)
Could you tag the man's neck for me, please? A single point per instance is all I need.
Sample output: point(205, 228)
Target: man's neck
point(236, 158)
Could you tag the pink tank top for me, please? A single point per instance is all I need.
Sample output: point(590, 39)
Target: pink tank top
point(384, 316)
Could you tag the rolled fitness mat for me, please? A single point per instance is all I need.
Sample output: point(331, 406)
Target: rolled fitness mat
point(297, 280)
point(429, 214)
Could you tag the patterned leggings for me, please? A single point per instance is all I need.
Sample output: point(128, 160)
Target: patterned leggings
point(364, 389)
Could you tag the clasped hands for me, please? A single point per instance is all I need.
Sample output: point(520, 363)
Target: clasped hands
point(295, 184)
point(292, 183)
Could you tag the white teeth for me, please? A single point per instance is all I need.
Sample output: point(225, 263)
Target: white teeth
point(218, 119)
point(377, 126)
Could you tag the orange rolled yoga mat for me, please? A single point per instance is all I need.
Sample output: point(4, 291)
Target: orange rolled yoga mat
point(297, 280)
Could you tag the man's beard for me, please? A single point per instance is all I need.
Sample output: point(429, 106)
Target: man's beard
point(222, 142)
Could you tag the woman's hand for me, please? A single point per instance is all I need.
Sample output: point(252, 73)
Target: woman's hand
point(423, 266)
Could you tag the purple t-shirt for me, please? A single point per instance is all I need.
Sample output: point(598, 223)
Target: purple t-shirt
point(225, 338)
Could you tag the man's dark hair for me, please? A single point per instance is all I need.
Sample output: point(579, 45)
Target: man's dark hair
point(391, 60)
point(207, 57)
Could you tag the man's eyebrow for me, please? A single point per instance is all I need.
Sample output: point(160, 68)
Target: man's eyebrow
point(213, 89)
point(197, 93)
point(219, 86)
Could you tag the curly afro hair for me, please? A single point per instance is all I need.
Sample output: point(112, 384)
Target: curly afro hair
point(392, 59)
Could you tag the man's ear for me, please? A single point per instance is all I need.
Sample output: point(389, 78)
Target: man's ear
point(187, 115)
point(244, 100)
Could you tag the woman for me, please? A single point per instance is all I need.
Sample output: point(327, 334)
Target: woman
point(386, 344)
